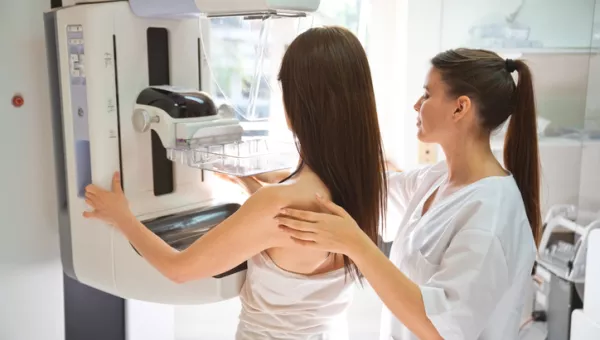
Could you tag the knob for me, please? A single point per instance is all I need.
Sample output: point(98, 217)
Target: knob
point(142, 120)
point(226, 111)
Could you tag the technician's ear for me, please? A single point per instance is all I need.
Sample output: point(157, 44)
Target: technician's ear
point(463, 105)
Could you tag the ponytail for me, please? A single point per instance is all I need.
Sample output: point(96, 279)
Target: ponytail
point(521, 156)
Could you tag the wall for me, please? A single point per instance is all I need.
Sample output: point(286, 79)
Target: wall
point(555, 23)
point(565, 28)
point(31, 296)
point(589, 197)
point(560, 27)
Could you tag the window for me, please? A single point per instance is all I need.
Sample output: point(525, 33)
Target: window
point(236, 47)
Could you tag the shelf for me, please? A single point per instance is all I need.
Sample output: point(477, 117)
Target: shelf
point(246, 158)
point(549, 50)
point(497, 142)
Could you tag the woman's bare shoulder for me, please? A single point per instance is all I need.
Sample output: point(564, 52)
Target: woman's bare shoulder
point(299, 195)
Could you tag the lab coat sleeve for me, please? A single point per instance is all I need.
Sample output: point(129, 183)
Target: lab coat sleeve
point(472, 278)
point(401, 187)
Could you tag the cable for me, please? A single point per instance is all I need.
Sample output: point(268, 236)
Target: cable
point(525, 323)
point(536, 316)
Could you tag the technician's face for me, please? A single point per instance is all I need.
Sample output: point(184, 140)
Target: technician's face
point(435, 110)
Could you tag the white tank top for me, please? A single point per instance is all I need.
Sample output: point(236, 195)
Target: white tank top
point(277, 304)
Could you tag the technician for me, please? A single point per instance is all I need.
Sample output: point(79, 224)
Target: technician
point(465, 228)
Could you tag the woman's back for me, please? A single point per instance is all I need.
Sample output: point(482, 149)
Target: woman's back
point(293, 292)
point(277, 304)
point(299, 192)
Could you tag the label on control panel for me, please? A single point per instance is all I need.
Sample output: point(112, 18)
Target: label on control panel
point(79, 107)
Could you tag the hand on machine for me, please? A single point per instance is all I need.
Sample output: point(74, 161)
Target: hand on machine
point(111, 206)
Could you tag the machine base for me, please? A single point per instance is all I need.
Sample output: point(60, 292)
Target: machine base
point(91, 314)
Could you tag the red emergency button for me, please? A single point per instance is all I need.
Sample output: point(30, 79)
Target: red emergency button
point(17, 100)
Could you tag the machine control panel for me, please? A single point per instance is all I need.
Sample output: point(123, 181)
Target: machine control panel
point(79, 107)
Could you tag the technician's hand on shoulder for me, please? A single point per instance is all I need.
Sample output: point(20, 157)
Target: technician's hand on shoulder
point(111, 207)
point(335, 231)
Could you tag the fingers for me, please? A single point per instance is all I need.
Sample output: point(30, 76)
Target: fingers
point(299, 235)
point(89, 214)
point(116, 183)
point(92, 189)
point(332, 207)
point(222, 176)
point(303, 242)
point(116, 186)
point(90, 203)
point(296, 224)
point(303, 215)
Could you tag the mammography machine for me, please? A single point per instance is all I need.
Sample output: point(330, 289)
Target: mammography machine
point(128, 80)
point(560, 273)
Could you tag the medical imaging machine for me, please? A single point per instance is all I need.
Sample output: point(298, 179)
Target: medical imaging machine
point(130, 83)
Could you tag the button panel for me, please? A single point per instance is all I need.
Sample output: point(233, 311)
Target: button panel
point(76, 53)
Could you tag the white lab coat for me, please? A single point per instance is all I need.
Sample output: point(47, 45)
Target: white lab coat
point(471, 254)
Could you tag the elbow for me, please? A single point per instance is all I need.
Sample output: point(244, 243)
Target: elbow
point(176, 272)
point(177, 278)
point(180, 271)
point(175, 275)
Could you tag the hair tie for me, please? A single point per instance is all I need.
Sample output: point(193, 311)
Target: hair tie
point(511, 65)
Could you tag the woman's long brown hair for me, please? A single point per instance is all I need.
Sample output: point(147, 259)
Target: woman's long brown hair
point(330, 104)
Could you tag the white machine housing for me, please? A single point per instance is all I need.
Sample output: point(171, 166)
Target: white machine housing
point(216, 8)
point(570, 218)
point(585, 323)
point(101, 57)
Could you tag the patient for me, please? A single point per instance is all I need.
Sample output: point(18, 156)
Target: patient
point(290, 292)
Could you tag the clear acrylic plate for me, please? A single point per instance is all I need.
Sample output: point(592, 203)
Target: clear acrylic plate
point(246, 158)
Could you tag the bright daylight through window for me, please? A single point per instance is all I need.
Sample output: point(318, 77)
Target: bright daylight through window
point(245, 56)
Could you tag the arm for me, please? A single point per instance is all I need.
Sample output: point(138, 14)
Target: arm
point(248, 231)
point(249, 184)
point(391, 167)
point(252, 184)
point(456, 303)
point(400, 295)
point(401, 187)
point(273, 177)
point(277, 176)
